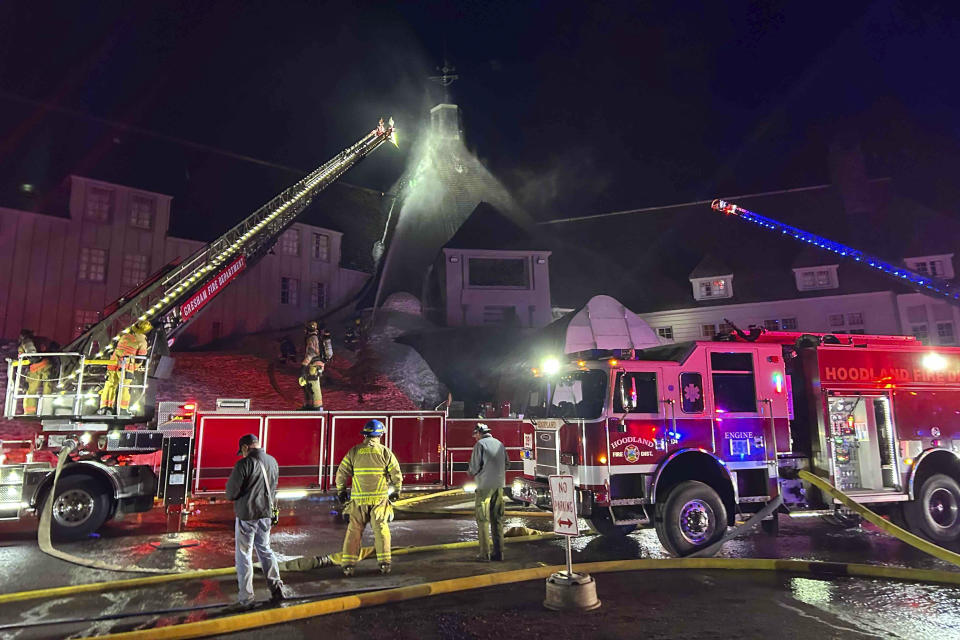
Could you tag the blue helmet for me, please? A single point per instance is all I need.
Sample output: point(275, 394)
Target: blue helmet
point(374, 429)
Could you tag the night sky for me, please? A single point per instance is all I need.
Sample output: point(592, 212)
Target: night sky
point(578, 107)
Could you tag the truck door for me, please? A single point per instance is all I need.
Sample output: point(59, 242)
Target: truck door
point(741, 431)
point(636, 439)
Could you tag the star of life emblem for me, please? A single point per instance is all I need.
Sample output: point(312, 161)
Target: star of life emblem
point(691, 393)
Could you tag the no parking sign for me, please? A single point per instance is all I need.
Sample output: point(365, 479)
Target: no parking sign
point(563, 495)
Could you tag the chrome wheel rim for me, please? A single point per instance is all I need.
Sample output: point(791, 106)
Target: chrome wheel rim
point(942, 507)
point(72, 508)
point(696, 522)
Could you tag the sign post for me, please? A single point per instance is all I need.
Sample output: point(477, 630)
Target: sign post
point(568, 590)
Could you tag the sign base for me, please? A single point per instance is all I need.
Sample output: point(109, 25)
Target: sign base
point(566, 592)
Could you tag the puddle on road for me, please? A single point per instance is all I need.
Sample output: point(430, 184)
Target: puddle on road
point(889, 609)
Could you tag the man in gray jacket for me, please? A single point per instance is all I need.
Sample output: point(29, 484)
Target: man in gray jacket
point(488, 466)
point(252, 487)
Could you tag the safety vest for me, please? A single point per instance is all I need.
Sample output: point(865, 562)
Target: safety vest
point(130, 344)
point(373, 468)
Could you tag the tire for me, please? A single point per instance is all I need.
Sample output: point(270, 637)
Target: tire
point(690, 518)
point(601, 522)
point(935, 512)
point(80, 508)
point(771, 527)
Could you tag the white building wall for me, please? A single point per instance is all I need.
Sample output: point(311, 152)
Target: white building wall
point(879, 313)
point(933, 321)
point(469, 305)
point(40, 254)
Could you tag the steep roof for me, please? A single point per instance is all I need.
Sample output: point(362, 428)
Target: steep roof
point(488, 228)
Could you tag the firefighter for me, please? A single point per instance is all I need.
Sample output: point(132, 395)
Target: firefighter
point(132, 343)
point(310, 369)
point(488, 465)
point(38, 374)
point(374, 470)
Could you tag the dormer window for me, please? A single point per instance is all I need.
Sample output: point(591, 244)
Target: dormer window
point(816, 278)
point(713, 288)
point(933, 266)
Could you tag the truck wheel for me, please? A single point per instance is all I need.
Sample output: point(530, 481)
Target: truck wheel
point(935, 512)
point(601, 522)
point(692, 517)
point(80, 507)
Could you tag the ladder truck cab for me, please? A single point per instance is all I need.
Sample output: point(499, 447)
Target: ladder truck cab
point(110, 362)
point(686, 437)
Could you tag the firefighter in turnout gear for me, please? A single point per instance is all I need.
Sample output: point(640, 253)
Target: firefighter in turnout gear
point(373, 468)
point(132, 343)
point(36, 370)
point(488, 466)
point(310, 369)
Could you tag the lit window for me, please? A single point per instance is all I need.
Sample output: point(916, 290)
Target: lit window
point(141, 212)
point(289, 291)
point(835, 320)
point(789, 324)
point(945, 333)
point(708, 330)
point(318, 295)
point(93, 264)
point(771, 325)
point(665, 332)
point(99, 204)
point(321, 247)
point(290, 242)
point(854, 319)
point(83, 319)
point(713, 288)
point(135, 268)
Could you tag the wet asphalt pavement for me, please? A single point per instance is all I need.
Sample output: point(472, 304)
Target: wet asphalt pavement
point(654, 604)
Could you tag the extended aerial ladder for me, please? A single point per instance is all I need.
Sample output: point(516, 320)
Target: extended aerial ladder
point(169, 301)
point(919, 282)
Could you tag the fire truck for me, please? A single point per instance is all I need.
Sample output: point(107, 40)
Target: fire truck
point(685, 437)
point(103, 478)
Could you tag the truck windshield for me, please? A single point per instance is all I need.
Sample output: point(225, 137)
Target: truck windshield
point(577, 394)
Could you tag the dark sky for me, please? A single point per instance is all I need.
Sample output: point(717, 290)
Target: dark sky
point(578, 107)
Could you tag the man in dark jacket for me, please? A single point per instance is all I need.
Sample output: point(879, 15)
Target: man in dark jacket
point(252, 487)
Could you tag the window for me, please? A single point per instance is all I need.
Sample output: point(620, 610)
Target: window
point(141, 212)
point(934, 266)
point(639, 389)
point(498, 272)
point(713, 289)
point(289, 291)
point(818, 278)
point(930, 268)
point(854, 319)
point(135, 268)
point(919, 331)
point(290, 242)
point(724, 327)
point(83, 319)
point(733, 385)
point(665, 332)
point(835, 320)
point(321, 247)
point(789, 324)
point(708, 330)
point(93, 265)
point(945, 333)
point(691, 389)
point(99, 204)
point(318, 295)
point(771, 325)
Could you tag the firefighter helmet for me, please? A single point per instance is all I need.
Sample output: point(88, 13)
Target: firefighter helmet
point(143, 327)
point(481, 428)
point(374, 429)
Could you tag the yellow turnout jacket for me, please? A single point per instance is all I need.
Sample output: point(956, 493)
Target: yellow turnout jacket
point(373, 468)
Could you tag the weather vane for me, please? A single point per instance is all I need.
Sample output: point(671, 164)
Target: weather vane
point(446, 78)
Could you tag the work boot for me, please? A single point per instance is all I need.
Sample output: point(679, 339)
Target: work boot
point(277, 594)
point(385, 568)
point(482, 558)
point(104, 411)
point(348, 570)
point(496, 557)
point(238, 607)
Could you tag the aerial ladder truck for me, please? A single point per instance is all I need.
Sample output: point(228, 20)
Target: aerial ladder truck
point(93, 485)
